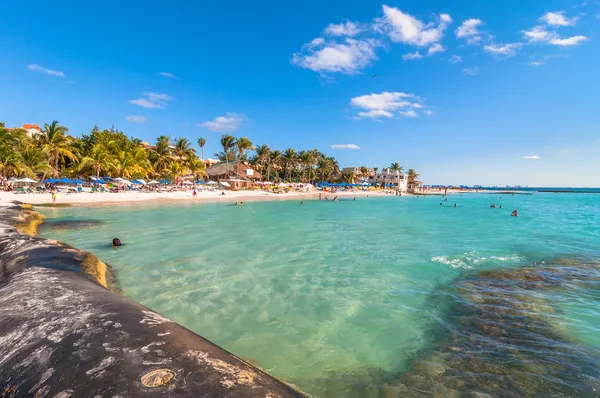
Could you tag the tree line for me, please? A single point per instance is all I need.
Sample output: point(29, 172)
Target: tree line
point(55, 153)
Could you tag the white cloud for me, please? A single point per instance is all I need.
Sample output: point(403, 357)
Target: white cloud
point(569, 41)
point(347, 57)
point(455, 59)
point(375, 113)
point(152, 100)
point(471, 71)
point(224, 124)
point(469, 30)
point(429, 112)
point(411, 56)
point(344, 146)
point(38, 68)
point(404, 28)
point(347, 28)
point(536, 63)
point(538, 33)
point(558, 19)
point(507, 50)
point(409, 113)
point(436, 48)
point(137, 119)
point(532, 157)
point(386, 104)
point(169, 75)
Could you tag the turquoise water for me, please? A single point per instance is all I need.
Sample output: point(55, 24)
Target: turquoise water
point(331, 295)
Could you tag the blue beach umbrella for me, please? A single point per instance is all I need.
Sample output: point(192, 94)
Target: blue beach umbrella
point(78, 181)
point(165, 181)
point(51, 181)
point(65, 180)
point(99, 182)
point(200, 182)
point(138, 182)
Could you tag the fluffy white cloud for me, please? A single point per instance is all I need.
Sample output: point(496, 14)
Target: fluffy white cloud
point(152, 100)
point(169, 75)
point(558, 19)
point(411, 56)
point(471, 71)
point(469, 30)
point(538, 33)
point(404, 28)
point(507, 50)
point(429, 112)
point(569, 41)
point(344, 146)
point(532, 157)
point(409, 113)
point(347, 57)
point(455, 59)
point(38, 68)
point(224, 124)
point(436, 48)
point(387, 104)
point(347, 28)
point(137, 118)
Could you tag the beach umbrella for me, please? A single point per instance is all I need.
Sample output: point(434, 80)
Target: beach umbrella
point(65, 180)
point(137, 182)
point(51, 181)
point(187, 183)
point(78, 181)
point(199, 182)
point(29, 180)
point(211, 183)
point(163, 181)
point(99, 181)
point(153, 182)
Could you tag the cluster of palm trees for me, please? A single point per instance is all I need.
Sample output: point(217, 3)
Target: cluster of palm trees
point(53, 152)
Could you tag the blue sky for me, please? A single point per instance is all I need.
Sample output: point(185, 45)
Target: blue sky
point(463, 91)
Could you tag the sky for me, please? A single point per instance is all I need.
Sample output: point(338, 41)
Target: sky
point(466, 92)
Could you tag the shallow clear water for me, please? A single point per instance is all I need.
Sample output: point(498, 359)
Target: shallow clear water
point(329, 294)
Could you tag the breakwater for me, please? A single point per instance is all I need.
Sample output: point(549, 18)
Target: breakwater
point(64, 333)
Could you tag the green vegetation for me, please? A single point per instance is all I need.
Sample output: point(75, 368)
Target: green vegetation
point(55, 153)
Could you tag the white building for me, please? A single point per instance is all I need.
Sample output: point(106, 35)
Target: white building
point(398, 179)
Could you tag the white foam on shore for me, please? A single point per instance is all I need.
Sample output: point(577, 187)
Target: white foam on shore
point(472, 259)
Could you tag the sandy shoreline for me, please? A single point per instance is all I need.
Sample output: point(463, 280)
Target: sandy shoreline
point(86, 198)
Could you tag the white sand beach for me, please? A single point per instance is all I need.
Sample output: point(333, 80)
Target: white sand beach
point(88, 198)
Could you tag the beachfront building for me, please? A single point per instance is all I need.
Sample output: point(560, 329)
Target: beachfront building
point(31, 129)
point(387, 176)
point(239, 175)
point(358, 172)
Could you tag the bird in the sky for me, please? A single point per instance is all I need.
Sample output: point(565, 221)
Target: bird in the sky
point(372, 77)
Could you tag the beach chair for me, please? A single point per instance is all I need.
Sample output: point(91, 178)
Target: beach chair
point(94, 189)
point(20, 190)
point(102, 189)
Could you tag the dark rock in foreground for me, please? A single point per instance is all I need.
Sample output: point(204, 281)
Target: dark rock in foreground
point(63, 334)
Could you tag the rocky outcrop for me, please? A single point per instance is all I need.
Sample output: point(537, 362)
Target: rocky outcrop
point(63, 333)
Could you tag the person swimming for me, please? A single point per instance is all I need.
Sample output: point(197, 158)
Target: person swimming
point(301, 203)
point(116, 242)
point(493, 205)
point(455, 205)
point(336, 199)
point(515, 214)
point(354, 198)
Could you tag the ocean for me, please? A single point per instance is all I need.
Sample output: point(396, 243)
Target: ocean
point(382, 296)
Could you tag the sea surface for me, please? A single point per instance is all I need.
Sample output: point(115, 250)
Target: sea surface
point(382, 296)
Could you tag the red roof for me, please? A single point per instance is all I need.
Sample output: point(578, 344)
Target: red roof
point(31, 126)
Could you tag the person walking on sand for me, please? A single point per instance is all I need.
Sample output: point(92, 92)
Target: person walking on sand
point(53, 192)
point(194, 194)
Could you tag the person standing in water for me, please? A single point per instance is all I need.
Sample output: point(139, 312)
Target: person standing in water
point(515, 214)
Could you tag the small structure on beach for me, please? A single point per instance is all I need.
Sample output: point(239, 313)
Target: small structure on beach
point(238, 175)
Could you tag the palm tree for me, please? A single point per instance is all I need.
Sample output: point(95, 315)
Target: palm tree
point(243, 144)
point(160, 155)
point(412, 175)
point(183, 149)
point(197, 167)
point(364, 171)
point(290, 158)
point(56, 144)
point(348, 176)
point(275, 161)
point(228, 143)
point(396, 167)
point(99, 159)
point(375, 169)
point(202, 142)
